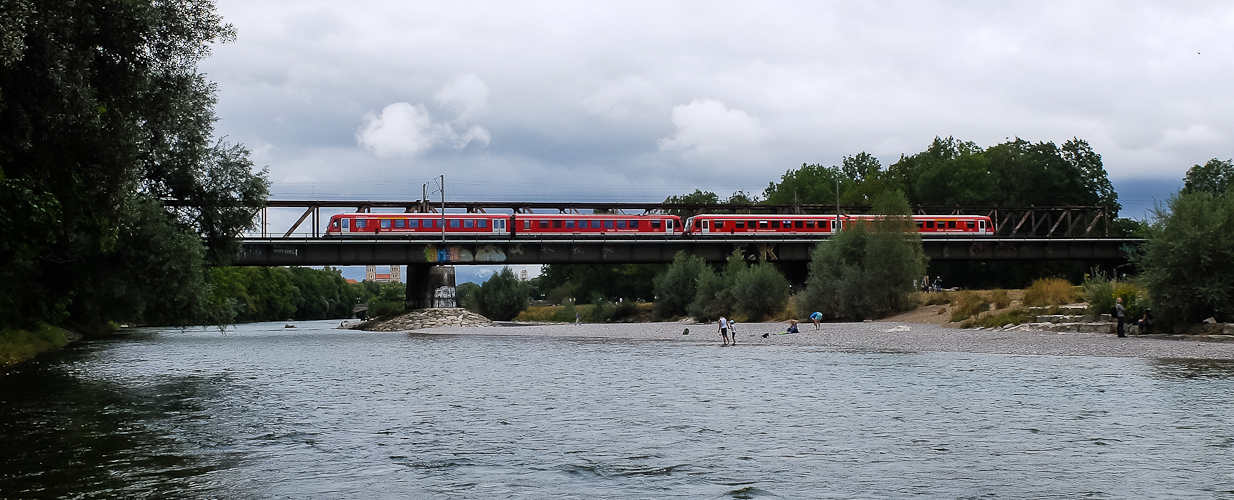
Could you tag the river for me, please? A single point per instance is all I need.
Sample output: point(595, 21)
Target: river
point(263, 411)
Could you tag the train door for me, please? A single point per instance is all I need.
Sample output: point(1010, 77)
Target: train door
point(982, 225)
point(668, 226)
point(499, 226)
point(706, 226)
point(346, 226)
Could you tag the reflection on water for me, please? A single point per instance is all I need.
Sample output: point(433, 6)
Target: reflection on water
point(316, 412)
point(1194, 368)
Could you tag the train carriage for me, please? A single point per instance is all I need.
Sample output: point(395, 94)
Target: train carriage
point(752, 225)
point(418, 225)
point(595, 225)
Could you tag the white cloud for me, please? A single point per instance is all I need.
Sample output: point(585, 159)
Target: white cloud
point(404, 129)
point(400, 130)
point(706, 126)
point(630, 95)
point(467, 94)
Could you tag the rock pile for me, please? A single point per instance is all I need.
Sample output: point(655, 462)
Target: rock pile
point(427, 318)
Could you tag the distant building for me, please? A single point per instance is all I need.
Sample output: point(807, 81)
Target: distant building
point(522, 275)
point(395, 276)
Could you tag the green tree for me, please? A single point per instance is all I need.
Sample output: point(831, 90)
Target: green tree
point(676, 287)
point(1215, 176)
point(502, 296)
point(465, 294)
point(760, 290)
point(107, 126)
point(867, 270)
point(714, 295)
point(1187, 264)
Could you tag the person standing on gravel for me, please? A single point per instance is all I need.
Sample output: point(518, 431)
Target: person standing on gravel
point(817, 318)
point(732, 330)
point(1119, 311)
point(724, 331)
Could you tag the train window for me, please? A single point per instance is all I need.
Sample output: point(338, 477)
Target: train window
point(481, 223)
point(810, 224)
point(751, 224)
point(400, 223)
point(569, 224)
point(385, 223)
point(920, 224)
point(595, 224)
point(670, 223)
point(526, 224)
point(334, 223)
point(608, 224)
point(929, 224)
point(775, 224)
point(655, 224)
point(719, 224)
point(543, 223)
point(413, 223)
point(621, 224)
point(469, 223)
point(633, 224)
point(740, 224)
point(453, 222)
point(762, 224)
point(970, 224)
point(799, 224)
point(556, 224)
point(950, 224)
point(359, 223)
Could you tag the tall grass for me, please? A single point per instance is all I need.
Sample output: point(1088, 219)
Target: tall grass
point(19, 345)
point(999, 298)
point(968, 304)
point(602, 312)
point(1102, 291)
point(1050, 292)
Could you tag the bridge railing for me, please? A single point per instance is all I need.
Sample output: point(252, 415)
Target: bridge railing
point(1030, 221)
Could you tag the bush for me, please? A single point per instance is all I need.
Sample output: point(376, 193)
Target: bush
point(714, 296)
point(760, 291)
point(933, 298)
point(1050, 292)
point(967, 305)
point(1101, 292)
point(465, 296)
point(677, 286)
point(868, 271)
point(19, 345)
point(1187, 264)
point(999, 298)
point(503, 296)
point(1013, 316)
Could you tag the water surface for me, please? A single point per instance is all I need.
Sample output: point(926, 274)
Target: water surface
point(312, 412)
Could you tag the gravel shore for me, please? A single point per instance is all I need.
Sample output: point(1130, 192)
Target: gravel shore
point(885, 336)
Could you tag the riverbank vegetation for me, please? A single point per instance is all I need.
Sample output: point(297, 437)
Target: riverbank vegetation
point(17, 345)
point(115, 196)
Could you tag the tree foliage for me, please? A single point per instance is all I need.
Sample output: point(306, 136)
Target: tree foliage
point(585, 283)
point(760, 291)
point(1187, 264)
point(676, 287)
point(1215, 176)
point(867, 270)
point(503, 296)
point(106, 120)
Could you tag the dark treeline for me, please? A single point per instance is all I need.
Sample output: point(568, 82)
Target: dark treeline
point(105, 119)
point(247, 294)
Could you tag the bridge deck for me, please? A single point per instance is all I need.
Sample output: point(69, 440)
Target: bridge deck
point(339, 252)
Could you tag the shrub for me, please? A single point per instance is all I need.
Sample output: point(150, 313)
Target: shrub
point(999, 298)
point(677, 286)
point(968, 304)
point(19, 345)
point(1187, 264)
point(868, 270)
point(1013, 316)
point(1050, 292)
point(760, 291)
point(933, 298)
point(503, 296)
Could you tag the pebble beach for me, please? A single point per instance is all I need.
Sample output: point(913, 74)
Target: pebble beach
point(882, 336)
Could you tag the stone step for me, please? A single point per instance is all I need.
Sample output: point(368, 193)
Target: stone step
point(1073, 318)
point(1069, 309)
point(1090, 327)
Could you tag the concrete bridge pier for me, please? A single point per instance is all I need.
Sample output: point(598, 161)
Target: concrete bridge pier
point(429, 286)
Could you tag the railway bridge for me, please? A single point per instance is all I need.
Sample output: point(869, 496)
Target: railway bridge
point(1021, 233)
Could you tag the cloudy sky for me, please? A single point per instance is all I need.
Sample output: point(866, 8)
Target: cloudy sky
point(636, 101)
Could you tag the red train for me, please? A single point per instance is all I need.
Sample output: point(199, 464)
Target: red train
point(422, 225)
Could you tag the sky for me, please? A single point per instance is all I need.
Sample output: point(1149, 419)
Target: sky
point(636, 101)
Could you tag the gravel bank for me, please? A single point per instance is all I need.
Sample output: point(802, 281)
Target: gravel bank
point(885, 336)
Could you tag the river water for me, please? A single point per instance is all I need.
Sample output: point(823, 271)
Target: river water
point(313, 412)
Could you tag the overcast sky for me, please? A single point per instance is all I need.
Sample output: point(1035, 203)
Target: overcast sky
point(630, 101)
